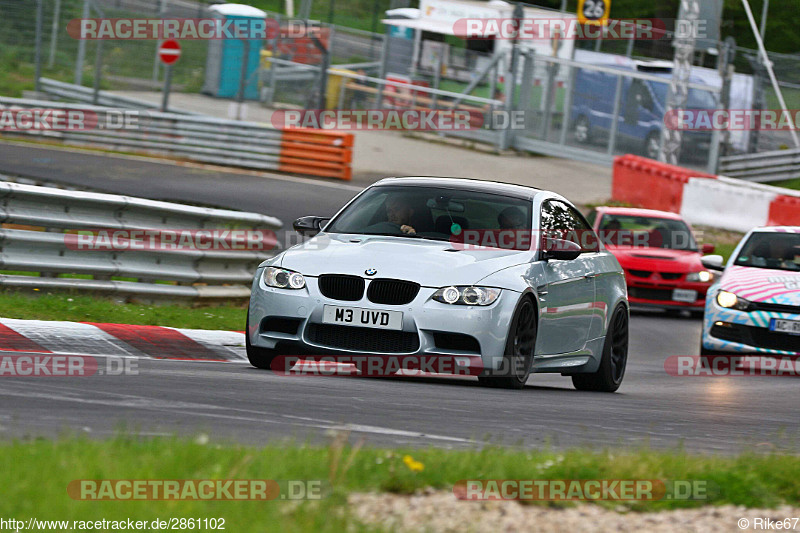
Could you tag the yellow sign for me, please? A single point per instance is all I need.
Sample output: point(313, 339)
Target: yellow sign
point(593, 11)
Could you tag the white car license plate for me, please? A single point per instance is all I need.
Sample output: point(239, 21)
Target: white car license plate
point(366, 318)
point(683, 295)
point(791, 327)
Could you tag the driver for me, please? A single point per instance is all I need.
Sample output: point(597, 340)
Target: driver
point(399, 211)
point(511, 218)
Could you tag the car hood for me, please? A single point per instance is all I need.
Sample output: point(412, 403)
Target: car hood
point(657, 259)
point(763, 284)
point(426, 262)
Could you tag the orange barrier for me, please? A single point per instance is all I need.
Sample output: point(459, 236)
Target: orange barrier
point(651, 184)
point(316, 152)
point(784, 211)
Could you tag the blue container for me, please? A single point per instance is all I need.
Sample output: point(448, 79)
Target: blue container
point(226, 57)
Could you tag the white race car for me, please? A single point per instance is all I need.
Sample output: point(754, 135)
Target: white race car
point(754, 307)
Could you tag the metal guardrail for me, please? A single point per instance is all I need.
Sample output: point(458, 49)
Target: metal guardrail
point(78, 93)
point(762, 167)
point(39, 236)
point(206, 139)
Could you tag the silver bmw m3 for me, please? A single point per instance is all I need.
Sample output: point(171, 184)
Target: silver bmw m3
point(504, 280)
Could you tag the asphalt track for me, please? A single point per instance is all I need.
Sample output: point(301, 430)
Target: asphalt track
point(232, 401)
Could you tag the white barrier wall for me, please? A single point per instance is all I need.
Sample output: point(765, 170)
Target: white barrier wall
point(721, 204)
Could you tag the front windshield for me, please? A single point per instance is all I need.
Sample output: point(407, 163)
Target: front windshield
point(697, 98)
point(780, 251)
point(646, 232)
point(431, 213)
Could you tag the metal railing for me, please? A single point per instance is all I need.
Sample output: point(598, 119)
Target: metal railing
point(204, 139)
point(762, 167)
point(41, 226)
point(79, 93)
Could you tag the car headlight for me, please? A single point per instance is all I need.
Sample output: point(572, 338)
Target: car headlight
point(283, 279)
point(704, 276)
point(731, 301)
point(467, 295)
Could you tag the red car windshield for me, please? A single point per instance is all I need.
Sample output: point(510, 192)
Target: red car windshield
point(646, 232)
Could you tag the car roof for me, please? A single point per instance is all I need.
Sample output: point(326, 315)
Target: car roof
point(777, 229)
point(638, 212)
point(520, 191)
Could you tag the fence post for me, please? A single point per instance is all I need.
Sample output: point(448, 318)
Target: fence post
point(98, 71)
point(382, 71)
point(612, 140)
point(81, 49)
point(54, 34)
point(39, 22)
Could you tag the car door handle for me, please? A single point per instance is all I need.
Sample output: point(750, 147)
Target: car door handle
point(589, 276)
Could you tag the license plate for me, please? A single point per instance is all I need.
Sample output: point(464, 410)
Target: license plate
point(791, 327)
point(683, 295)
point(366, 318)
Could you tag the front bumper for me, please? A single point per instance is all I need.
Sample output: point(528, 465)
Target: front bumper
point(729, 330)
point(292, 320)
point(660, 293)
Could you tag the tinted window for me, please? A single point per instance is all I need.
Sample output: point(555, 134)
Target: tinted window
point(771, 250)
point(646, 232)
point(561, 221)
point(434, 213)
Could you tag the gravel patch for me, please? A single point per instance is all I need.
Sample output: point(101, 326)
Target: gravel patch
point(441, 512)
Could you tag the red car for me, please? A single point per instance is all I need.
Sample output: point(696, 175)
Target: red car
point(659, 254)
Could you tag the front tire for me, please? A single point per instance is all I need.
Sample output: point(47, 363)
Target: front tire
point(258, 357)
point(583, 130)
point(609, 375)
point(520, 345)
point(652, 145)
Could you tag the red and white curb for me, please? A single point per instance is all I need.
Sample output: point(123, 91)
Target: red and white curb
point(122, 340)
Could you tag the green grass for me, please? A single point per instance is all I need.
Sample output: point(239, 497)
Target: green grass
point(39, 471)
point(73, 307)
point(789, 184)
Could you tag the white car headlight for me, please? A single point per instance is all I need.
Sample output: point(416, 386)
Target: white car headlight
point(283, 279)
point(731, 301)
point(704, 276)
point(467, 295)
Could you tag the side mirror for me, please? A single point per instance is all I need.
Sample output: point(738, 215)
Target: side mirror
point(561, 250)
point(309, 226)
point(707, 249)
point(713, 262)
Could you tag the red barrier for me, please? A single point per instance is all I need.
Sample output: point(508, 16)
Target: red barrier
point(651, 184)
point(784, 211)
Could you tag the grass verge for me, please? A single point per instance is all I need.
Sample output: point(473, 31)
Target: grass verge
point(43, 469)
point(81, 308)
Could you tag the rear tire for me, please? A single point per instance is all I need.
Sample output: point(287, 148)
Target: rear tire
point(583, 130)
point(258, 357)
point(609, 375)
point(520, 345)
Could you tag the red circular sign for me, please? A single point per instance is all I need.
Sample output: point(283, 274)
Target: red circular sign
point(169, 51)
